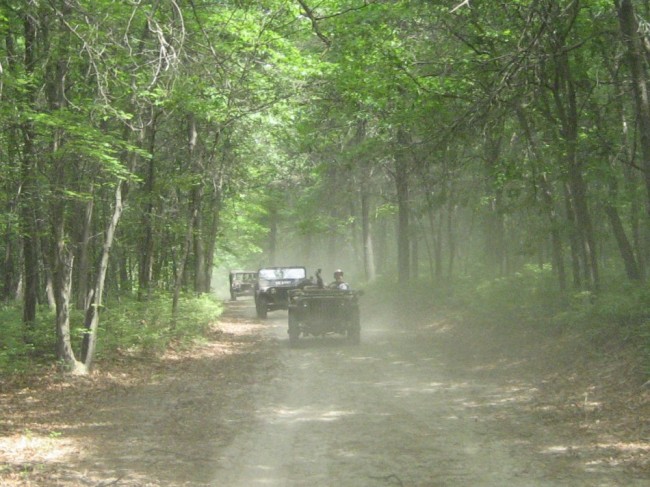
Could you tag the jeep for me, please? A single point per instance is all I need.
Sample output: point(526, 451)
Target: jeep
point(273, 285)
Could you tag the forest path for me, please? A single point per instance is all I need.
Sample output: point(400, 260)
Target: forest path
point(397, 410)
point(418, 405)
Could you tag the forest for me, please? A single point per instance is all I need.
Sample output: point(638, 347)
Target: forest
point(492, 155)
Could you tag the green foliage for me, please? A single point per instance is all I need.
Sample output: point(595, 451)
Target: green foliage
point(146, 327)
point(132, 327)
point(526, 295)
point(625, 309)
point(22, 349)
point(618, 318)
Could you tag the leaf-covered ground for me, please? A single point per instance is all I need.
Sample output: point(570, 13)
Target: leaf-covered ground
point(164, 421)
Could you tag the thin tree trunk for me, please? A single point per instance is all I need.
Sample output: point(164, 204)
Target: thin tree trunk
point(381, 238)
point(273, 234)
point(415, 253)
point(147, 247)
point(92, 312)
point(403, 227)
point(573, 240)
point(366, 236)
point(180, 269)
point(451, 239)
point(211, 243)
point(625, 248)
point(198, 243)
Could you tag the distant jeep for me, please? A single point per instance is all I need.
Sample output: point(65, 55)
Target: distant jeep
point(273, 285)
point(318, 311)
point(242, 283)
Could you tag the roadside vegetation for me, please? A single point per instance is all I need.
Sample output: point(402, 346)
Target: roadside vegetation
point(132, 328)
point(526, 309)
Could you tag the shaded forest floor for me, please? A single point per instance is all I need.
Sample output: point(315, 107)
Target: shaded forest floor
point(136, 415)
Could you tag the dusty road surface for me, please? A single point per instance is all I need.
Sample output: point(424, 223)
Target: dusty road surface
point(413, 405)
point(397, 411)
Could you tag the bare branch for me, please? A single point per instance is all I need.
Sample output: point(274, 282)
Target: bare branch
point(465, 3)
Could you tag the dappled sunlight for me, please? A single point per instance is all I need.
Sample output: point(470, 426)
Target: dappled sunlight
point(29, 448)
point(304, 414)
point(601, 455)
point(421, 389)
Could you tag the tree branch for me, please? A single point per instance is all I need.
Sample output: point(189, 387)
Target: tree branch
point(314, 22)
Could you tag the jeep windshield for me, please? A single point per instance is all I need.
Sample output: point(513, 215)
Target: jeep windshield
point(281, 273)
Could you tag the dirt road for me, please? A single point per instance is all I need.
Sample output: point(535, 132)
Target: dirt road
point(408, 407)
point(395, 411)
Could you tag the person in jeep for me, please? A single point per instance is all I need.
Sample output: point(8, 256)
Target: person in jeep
point(339, 282)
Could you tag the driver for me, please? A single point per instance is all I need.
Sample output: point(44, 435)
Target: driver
point(339, 282)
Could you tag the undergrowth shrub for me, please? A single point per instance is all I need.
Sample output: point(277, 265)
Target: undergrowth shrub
point(128, 326)
point(21, 347)
point(147, 327)
point(617, 316)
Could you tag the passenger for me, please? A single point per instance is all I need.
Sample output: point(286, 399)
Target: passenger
point(339, 282)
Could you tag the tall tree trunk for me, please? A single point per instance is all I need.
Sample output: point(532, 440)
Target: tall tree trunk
point(198, 242)
point(451, 239)
point(403, 227)
point(91, 323)
point(366, 237)
point(634, 38)
point(47, 274)
point(62, 260)
point(9, 269)
point(381, 239)
point(494, 225)
point(624, 245)
point(273, 234)
point(566, 106)
point(415, 253)
point(201, 284)
point(574, 245)
point(436, 242)
point(83, 268)
point(28, 199)
point(148, 217)
point(211, 243)
point(182, 264)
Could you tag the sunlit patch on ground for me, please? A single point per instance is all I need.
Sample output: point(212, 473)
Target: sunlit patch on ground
point(595, 456)
point(30, 448)
point(276, 415)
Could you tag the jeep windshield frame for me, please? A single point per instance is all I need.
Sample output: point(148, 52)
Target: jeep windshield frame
point(281, 273)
